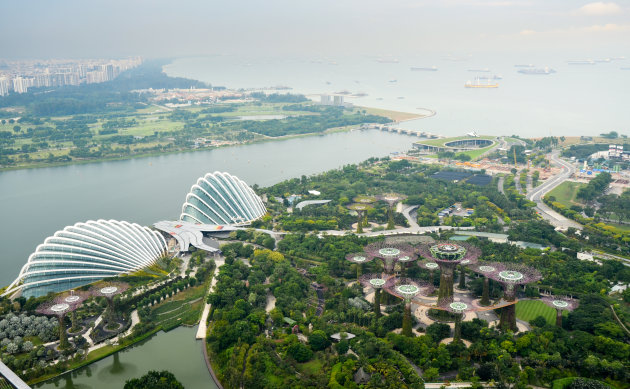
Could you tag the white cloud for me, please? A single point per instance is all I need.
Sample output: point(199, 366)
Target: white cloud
point(599, 8)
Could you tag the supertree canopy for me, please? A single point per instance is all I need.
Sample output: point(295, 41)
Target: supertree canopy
point(458, 308)
point(391, 253)
point(359, 259)
point(560, 304)
point(407, 289)
point(391, 199)
point(485, 269)
point(510, 277)
point(60, 307)
point(360, 209)
point(377, 282)
point(76, 299)
point(448, 255)
point(109, 291)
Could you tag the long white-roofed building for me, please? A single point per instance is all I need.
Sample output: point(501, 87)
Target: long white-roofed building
point(87, 252)
point(222, 199)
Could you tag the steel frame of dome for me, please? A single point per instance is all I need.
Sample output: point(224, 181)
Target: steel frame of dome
point(86, 252)
point(221, 198)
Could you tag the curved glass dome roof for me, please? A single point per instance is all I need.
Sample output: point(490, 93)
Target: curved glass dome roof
point(86, 252)
point(222, 199)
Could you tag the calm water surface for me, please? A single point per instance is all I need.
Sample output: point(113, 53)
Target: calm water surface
point(35, 203)
point(176, 351)
point(577, 100)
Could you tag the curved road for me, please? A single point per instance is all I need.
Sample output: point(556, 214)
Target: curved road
point(536, 195)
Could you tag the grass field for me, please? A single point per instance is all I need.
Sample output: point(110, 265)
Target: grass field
point(530, 309)
point(184, 308)
point(565, 193)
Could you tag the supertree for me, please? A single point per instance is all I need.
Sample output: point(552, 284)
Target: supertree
point(74, 298)
point(109, 291)
point(458, 308)
point(560, 304)
point(448, 255)
point(407, 289)
point(59, 309)
point(376, 282)
point(485, 269)
point(360, 209)
point(391, 199)
point(510, 277)
point(430, 266)
point(391, 253)
point(359, 259)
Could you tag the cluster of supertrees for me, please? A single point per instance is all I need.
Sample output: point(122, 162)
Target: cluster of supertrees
point(446, 256)
point(69, 302)
point(362, 204)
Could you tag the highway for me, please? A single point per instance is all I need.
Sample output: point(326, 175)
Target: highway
point(536, 195)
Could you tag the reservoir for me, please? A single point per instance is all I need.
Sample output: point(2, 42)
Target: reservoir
point(176, 351)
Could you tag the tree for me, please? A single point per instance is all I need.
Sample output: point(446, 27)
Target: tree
point(154, 380)
point(318, 340)
point(539, 321)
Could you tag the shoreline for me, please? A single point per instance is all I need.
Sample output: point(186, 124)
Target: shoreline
point(334, 130)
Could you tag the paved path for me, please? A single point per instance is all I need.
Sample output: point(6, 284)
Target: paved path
point(271, 302)
point(203, 323)
point(536, 195)
point(500, 185)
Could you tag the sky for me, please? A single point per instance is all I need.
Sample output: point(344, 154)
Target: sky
point(159, 29)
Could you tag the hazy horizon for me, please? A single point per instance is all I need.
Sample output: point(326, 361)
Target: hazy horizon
point(42, 29)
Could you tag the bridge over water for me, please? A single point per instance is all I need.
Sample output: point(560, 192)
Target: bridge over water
point(400, 130)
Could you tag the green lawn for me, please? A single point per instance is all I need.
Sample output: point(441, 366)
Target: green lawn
point(565, 193)
point(530, 309)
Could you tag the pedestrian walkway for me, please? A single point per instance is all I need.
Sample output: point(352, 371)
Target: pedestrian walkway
point(203, 323)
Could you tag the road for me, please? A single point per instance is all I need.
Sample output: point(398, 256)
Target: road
point(536, 195)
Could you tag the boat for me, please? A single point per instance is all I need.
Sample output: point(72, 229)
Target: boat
point(423, 69)
point(484, 70)
point(387, 60)
point(581, 62)
point(492, 77)
point(478, 84)
point(545, 70)
point(524, 66)
point(393, 80)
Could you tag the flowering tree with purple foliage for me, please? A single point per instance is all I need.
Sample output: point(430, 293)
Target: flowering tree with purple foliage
point(560, 304)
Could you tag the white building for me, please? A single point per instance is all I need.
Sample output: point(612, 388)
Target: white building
point(5, 84)
point(20, 85)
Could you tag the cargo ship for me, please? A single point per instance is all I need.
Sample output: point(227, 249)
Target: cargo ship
point(424, 69)
point(545, 70)
point(581, 62)
point(478, 84)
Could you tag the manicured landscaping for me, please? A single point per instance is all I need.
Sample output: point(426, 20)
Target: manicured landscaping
point(530, 309)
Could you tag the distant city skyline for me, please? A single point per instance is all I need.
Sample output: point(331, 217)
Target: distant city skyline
point(114, 29)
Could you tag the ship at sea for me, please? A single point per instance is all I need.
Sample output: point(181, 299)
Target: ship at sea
point(424, 69)
point(484, 70)
point(491, 77)
point(543, 71)
point(479, 84)
point(581, 62)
